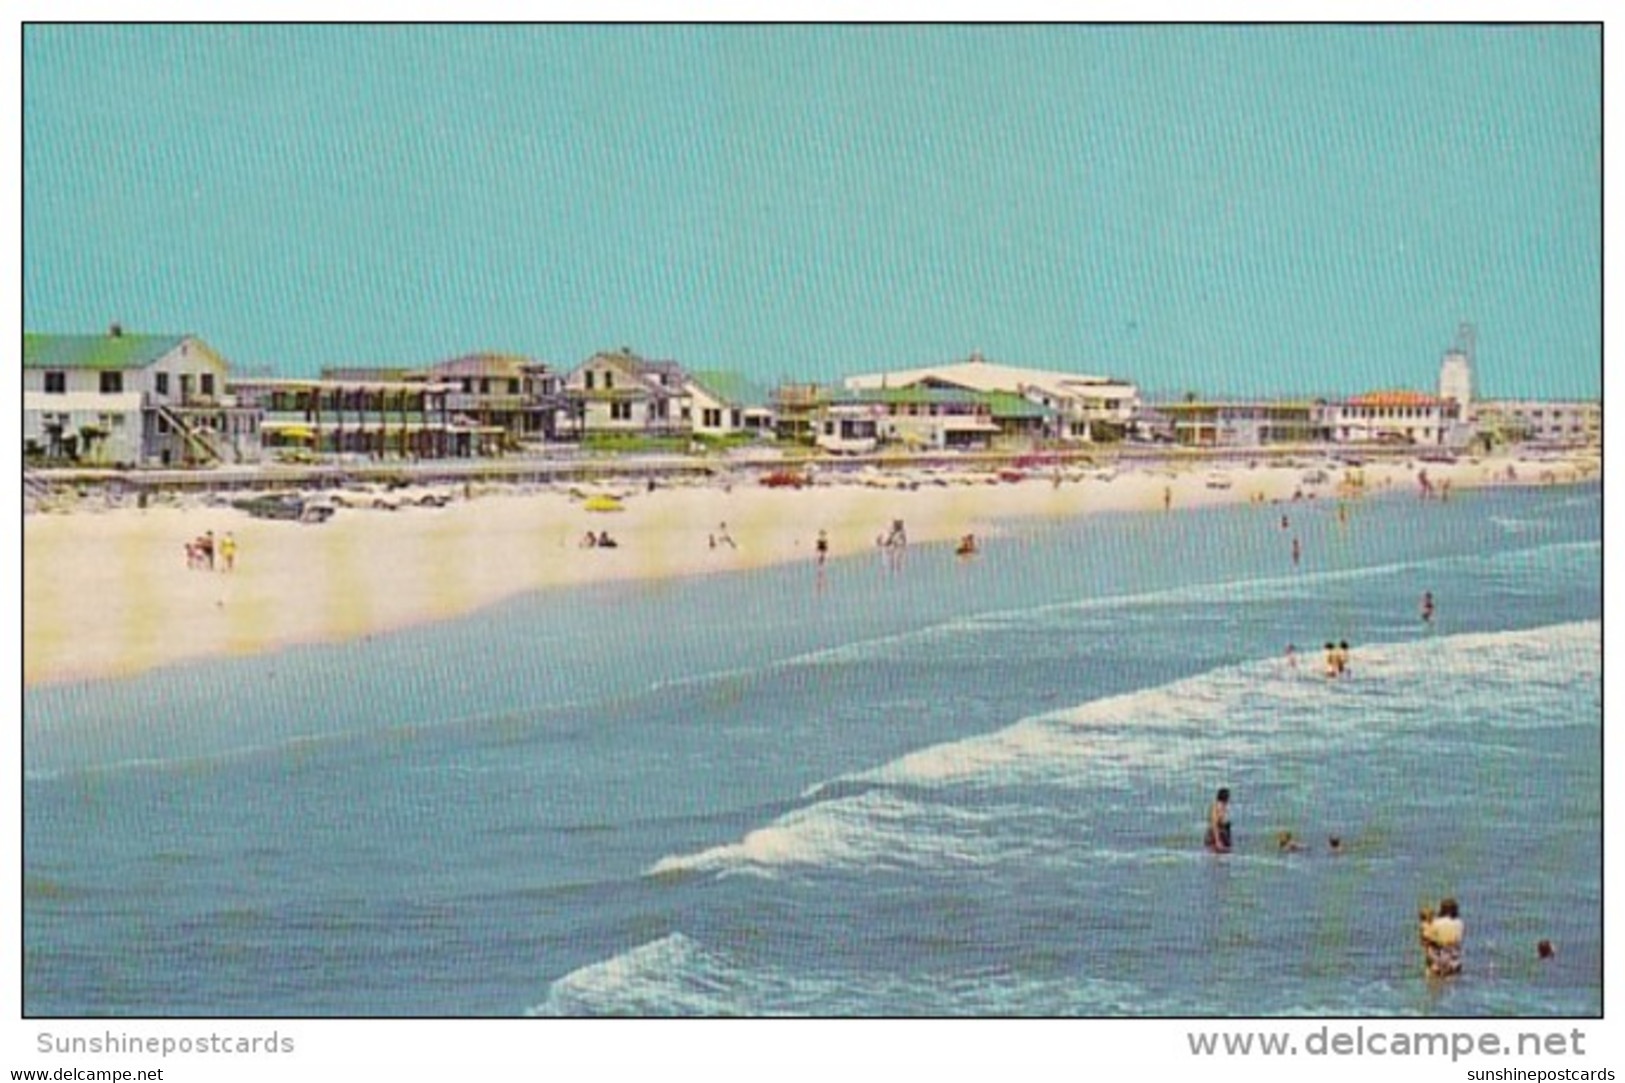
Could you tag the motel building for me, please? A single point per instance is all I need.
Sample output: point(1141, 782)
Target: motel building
point(1395, 417)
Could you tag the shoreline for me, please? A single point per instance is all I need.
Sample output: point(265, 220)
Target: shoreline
point(107, 593)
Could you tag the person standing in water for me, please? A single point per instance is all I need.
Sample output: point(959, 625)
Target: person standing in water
point(1427, 607)
point(1442, 937)
point(1217, 838)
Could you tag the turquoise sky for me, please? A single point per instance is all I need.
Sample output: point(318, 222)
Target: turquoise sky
point(1230, 209)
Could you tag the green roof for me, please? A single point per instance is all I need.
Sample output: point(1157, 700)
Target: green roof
point(731, 388)
point(1007, 404)
point(96, 351)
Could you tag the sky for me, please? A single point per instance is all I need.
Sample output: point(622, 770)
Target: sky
point(1233, 210)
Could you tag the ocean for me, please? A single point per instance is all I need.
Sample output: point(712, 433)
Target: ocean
point(946, 787)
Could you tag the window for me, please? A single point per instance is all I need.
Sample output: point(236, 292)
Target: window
point(620, 411)
point(206, 383)
point(485, 387)
point(589, 379)
point(163, 425)
point(56, 383)
point(609, 381)
point(513, 387)
point(112, 383)
point(160, 382)
point(711, 419)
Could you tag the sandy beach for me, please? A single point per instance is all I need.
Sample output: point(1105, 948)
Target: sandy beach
point(108, 593)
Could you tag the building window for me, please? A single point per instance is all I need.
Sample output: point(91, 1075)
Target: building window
point(160, 382)
point(206, 383)
point(711, 419)
point(112, 383)
point(620, 411)
point(609, 381)
point(56, 383)
point(513, 387)
point(589, 379)
point(163, 425)
point(485, 387)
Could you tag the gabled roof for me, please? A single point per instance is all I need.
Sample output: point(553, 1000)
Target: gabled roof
point(502, 365)
point(979, 375)
point(730, 387)
point(105, 351)
point(647, 373)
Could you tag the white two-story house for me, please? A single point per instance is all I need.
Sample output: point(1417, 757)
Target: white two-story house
point(135, 400)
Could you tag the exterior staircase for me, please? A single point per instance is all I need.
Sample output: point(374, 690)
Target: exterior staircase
point(200, 441)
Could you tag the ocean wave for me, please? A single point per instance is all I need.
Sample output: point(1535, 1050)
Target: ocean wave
point(676, 975)
point(1259, 589)
point(926, 809)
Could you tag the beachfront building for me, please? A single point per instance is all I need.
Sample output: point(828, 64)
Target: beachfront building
point(1396, 418)
point(517, 395)
point(619, 394)
point(1243, 424)
point(846, 428)
point(928, 418)
point(798, 411)
point(1085, 408)
point(724, 405)
point(364, 416)
point(1541, 421)
point(131, 400)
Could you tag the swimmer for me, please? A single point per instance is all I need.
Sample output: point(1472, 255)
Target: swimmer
point(1286, 844)
point(1427, 607)
point(1331, 660)
point(1544, 950)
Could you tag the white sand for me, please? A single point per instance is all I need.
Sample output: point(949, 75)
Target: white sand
point(108, 593)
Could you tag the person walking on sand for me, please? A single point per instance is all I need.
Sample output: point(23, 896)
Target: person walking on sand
point(1217, 838)
point(1167, 497)
point(228, 552)
point(206, 546)
point(722, 537)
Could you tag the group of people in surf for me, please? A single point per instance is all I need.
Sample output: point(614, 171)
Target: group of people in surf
point(1440, 930)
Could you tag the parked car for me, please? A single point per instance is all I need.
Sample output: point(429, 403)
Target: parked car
point(785, 479)
point(290, 506)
